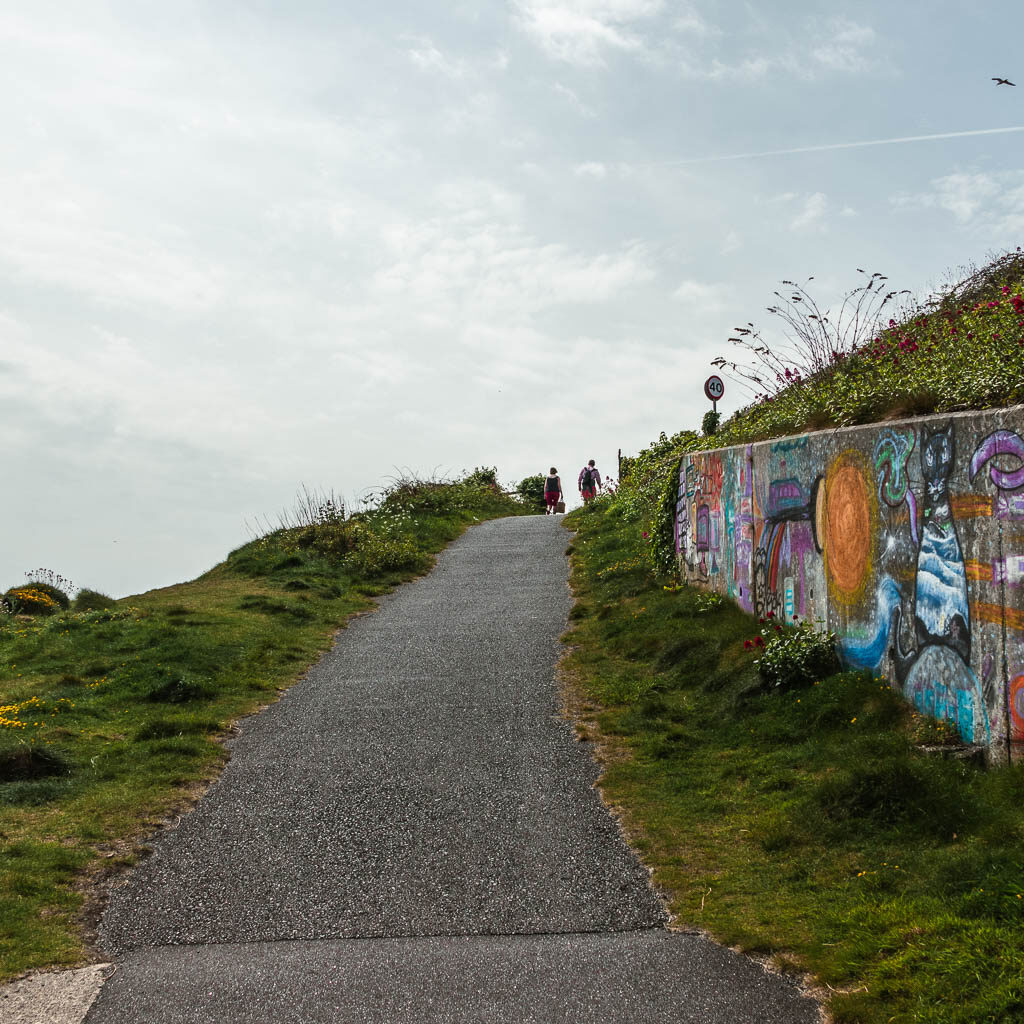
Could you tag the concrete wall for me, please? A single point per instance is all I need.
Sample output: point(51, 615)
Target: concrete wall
point(905, 538)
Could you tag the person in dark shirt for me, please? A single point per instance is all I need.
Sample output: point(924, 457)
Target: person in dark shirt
point(552, 491)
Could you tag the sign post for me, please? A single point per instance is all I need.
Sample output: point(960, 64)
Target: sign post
point(714, 388)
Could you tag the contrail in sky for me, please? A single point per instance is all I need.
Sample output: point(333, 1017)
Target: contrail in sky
point(838, 145)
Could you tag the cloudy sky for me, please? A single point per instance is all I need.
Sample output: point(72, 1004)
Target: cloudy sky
point(247, 244)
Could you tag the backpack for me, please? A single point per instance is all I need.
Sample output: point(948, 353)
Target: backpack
point(588, 478)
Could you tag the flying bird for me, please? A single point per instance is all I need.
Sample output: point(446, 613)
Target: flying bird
point(1003, 81)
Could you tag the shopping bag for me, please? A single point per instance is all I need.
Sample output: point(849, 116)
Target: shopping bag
point(560, 507)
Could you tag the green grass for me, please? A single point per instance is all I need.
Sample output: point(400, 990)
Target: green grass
point(807, 825)
point(111, 719)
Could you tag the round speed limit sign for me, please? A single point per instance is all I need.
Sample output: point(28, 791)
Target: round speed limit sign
point(714, 388)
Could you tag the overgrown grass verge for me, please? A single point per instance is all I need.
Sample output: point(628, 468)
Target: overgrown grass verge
point(111, 719)
point(808, 825)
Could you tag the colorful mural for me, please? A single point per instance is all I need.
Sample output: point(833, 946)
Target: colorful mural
point(906, 539)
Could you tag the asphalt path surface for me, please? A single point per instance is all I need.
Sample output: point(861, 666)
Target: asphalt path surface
point(412, 834)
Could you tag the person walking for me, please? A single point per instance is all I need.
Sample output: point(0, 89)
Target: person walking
point(589, 481)
point(552, 492)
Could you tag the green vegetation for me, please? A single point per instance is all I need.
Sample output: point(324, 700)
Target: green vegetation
point(111, 712)
point(531, 490)
point(803, 821)
point(961, 350)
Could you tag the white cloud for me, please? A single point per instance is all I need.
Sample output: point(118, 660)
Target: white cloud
point(703, 298)
point(731, 243)
point(574, 101)
point(473, 271)
point(848, 48)
point(580, 32)
point(591, 170)
point(812, 214)
point(963, 195)
point(691, 22)
point(427, 57)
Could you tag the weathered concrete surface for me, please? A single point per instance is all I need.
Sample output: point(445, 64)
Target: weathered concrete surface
point(412, 834)
point(52, 997)
point(905, 538)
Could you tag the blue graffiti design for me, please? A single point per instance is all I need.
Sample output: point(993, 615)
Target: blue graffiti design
point(941, 580)
point(868, 653)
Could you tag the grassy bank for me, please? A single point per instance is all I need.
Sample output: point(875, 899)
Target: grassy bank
point(807, 824)
point(961, 350)
point(111, 719)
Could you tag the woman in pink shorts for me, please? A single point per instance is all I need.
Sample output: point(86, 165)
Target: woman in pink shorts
point(552, 491)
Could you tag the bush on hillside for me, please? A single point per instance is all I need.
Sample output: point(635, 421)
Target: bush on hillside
point(87, 600)
point(52, 583)
point(796, 656)
point(531, 490)
point(31, 599)
point(482, 476)
point(648, 491)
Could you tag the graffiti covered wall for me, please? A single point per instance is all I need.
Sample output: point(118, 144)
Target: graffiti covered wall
point(905, 538)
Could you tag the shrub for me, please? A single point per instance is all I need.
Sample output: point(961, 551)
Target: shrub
point(52, 583)
point(531, 490)
point(87, 600)
point(335, 539)
point(482, 476)
point(796, 656)
point(31, 599)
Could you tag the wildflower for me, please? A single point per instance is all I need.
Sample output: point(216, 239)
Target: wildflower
point(748, 645)
point(759, 641)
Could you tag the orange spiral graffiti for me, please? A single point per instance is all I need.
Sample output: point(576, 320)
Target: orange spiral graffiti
point(849, 526)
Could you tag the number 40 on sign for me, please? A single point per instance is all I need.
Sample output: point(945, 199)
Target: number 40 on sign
point(714, 388)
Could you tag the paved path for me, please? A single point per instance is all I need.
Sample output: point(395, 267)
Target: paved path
point(411, 835)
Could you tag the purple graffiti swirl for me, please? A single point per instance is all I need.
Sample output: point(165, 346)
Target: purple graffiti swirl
point(1001, 442)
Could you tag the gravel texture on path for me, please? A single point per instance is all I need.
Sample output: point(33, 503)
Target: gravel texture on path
point(412, 834)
